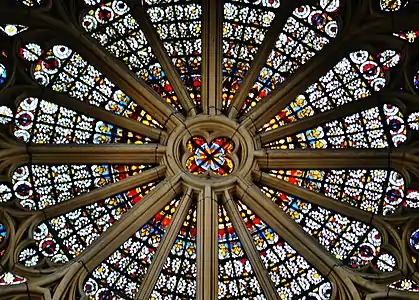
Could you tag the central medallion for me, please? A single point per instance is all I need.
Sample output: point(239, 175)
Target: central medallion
point(210, 157)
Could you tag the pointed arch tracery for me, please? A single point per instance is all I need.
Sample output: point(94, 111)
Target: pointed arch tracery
point(81, 201)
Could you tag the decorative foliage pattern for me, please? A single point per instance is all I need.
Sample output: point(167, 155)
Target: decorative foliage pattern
point(393, 5)
point(42, 122)
point(179, 27)
point(355, 77)
point(370, 128)
point(113, 26)
point(210, 157)
point(304, 34)
point(13, 29)
point(62, 238)
point(355, 243)
point(292, 275)
point(121, 274)
point(377, 191)
point(236, 278)
point(177, 279)
point(65, 71)
point(245, 27)
point(39, 186)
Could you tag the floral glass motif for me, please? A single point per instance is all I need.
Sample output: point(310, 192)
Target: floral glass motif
point(378, 191)
point(393, 5)
point(121, 274)
point(179, 27)
point(42, 122)
point(115, 28)
point(353, 78)
point(177, 279)
point(245, 27)
point(236, 278)
point(13, 29)
point(210, 157)
point(292, 275)
point(60, 239)
point(305, 33)
point(409, 35)
point(65, 71)
point(40, 186)
point(353, 242)
point(370, 128)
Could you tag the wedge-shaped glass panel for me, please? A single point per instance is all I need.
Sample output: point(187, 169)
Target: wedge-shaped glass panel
point(293, 276)
point(177, 279)
point(407, 285)
point(353, 78)
point(65, 71)
point(62, 238)
point(245, 27)
point(42, 122)
point(378, 127)
point(179, 26)
point(376, 190)
point(304, 34)
point(115, 28)
point(393, 5)
point(355, 243)
point(13, 29)
point(409, 36)
point(38, 186)
point(121, 274)
point(236, 278)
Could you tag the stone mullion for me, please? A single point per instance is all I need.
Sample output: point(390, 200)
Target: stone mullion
point(207, 246)
point(116, 71)
point(93, 154)
point(290, 231)
point(317, 120)
point(212, 56)
point(249, 247)
point(130, 223)
point(329, 158)
point(96, 112)
point(282, 14)
point(165, 247)
point(104, 192)
point(163, 58)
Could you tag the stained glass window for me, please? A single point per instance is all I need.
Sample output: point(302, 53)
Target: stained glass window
point(62, 238)
point(42, 122)
point(409, 36)
point(65, 71)
point(305, 33)
point(3, 74)
point(245, 27)
point(378, 127)
point(178, 277)
point(405, 285)
point(392, 5)
point(114, 27)
point(38, 186)
point(353, 78)
point(236, 278)
point(179, 27)
point(31, 3)
point(12, 29)
point(210, 157)
point(121, 274)
point(292, 275)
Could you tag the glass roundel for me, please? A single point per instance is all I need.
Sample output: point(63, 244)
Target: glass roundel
point(208, 149)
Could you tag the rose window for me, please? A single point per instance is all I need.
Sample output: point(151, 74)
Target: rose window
point(209, 149)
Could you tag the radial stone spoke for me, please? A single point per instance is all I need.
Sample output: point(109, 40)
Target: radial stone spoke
point(284, 11)
point(212, 56)
point(106, 191)
point(329, 158)
point(166, 245)
point(161, 54)
point(133, 220)
point(93, 154)
point(280, 222)
point(310, 122)
point(207, 244)
point(248, 245)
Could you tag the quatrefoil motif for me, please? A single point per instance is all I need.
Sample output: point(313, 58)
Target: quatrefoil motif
point(211, 156)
